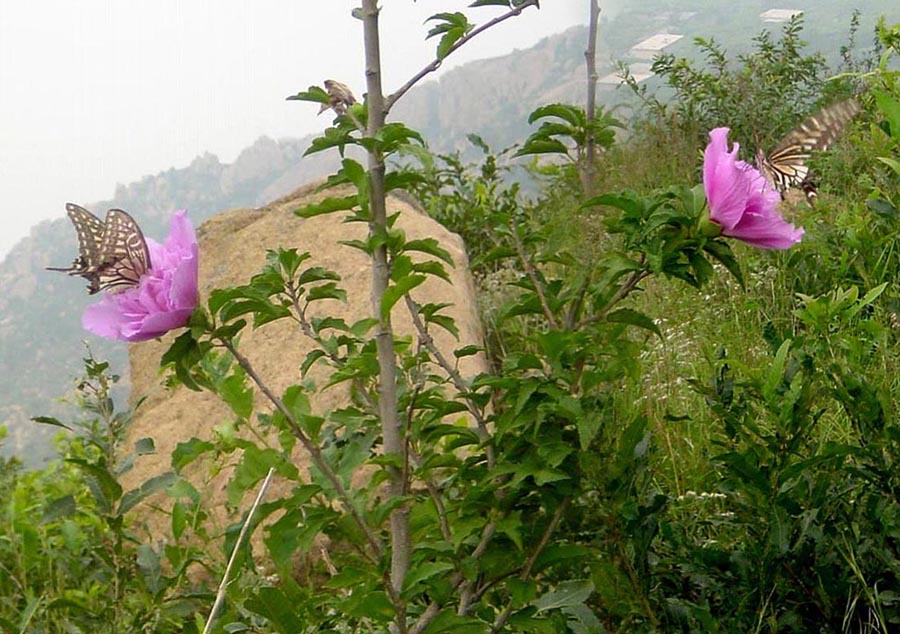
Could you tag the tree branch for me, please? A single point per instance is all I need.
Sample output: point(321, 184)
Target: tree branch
point(435, 64)
point(629, 285)
point(391, 432)
point(220, 595)
point(458, 381)
point(588, 174)
point(532, 560)
point(532, 275)
point(308, 444)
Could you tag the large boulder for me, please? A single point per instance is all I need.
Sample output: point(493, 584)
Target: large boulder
point(232, 249)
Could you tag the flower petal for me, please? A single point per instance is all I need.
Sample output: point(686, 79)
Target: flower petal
point(741, 200)
point(165, 297)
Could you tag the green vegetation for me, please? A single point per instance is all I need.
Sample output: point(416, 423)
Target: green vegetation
point(677, 436)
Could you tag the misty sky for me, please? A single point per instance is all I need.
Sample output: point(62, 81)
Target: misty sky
point(99, 92)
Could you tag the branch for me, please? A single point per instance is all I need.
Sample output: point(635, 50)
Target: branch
point(629, 285)
point(434, 607)
point(391, 431)
point(532, 275)
point(590, 58)
point(435, 64)
point(334, 357)
point(458, 381)
point(308, 444)
point(220, 595)
point(529, 565)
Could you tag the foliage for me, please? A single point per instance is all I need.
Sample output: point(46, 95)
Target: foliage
point(550, 495)
point(761, 97)
point(70, 562)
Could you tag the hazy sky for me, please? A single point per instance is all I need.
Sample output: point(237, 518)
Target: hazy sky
point(99, 92)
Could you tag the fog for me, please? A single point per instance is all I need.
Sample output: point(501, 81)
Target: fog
point(95, 93)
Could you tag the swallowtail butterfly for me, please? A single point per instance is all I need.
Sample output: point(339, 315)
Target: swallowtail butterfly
point(786, 166)
point(112, 254)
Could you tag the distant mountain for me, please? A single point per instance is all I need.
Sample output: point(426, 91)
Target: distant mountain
point(41, 340)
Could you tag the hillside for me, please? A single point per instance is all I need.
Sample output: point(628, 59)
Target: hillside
point(41, 340)
point(40, 334)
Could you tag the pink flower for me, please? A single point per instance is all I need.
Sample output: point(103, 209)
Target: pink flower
point(164, 298)
point(741, 200)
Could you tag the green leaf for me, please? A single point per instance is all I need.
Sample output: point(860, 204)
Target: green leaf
point(327, 206)
point(395, 291)
point(49, 420)
point(28, 613)
point(184, 353)
point(566, 594)
point(148, 561)
point(746, 470)
point(542, 146)
point(311, 357)
point(467, 351)
point(332, 138)
point(236, 394)
point(316, 94)
point(144, 447)
point(317, 274)
point(148, 488)
point(59, 508)
point(424, 571)
point(890, 108)
point(329, 290)
point(893, 164)
point(253, 467)
point(280, 610)
point(104, 487)
point(405, 180)
point(633, 318)
point(572, 115)
point(453, 26)
point(179, 519)
point(394, 135)
point(186, 452)
point(431, 247)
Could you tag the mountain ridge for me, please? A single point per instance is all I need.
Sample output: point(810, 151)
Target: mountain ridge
point(40, 325)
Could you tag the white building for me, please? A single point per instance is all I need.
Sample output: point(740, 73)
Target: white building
point(651, 47)
point(779, 15)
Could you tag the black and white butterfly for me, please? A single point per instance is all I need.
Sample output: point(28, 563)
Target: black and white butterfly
point(785, 167)
point(112, 254)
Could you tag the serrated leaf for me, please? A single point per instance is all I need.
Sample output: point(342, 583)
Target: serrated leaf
point(317, 274)
point(573, 115)
point(144, 447)
point(49, 420)
point(58, 509)
point(542, 146)
point(633, 318)
point(566, 594)
point(431, 247)
point(327, 206)
point(315, 94)
point(396, 291)
point(277, 608)
point(151, 486)
point(186, 452)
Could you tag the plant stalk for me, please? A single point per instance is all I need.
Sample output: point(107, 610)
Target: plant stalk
point(392, 434)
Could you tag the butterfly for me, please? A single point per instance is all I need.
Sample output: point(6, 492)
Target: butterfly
point(786, 166)
point(112, 254)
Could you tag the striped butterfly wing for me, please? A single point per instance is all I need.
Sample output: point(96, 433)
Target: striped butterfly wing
point(89, 229)
point(123, 252)
point(786, 166)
